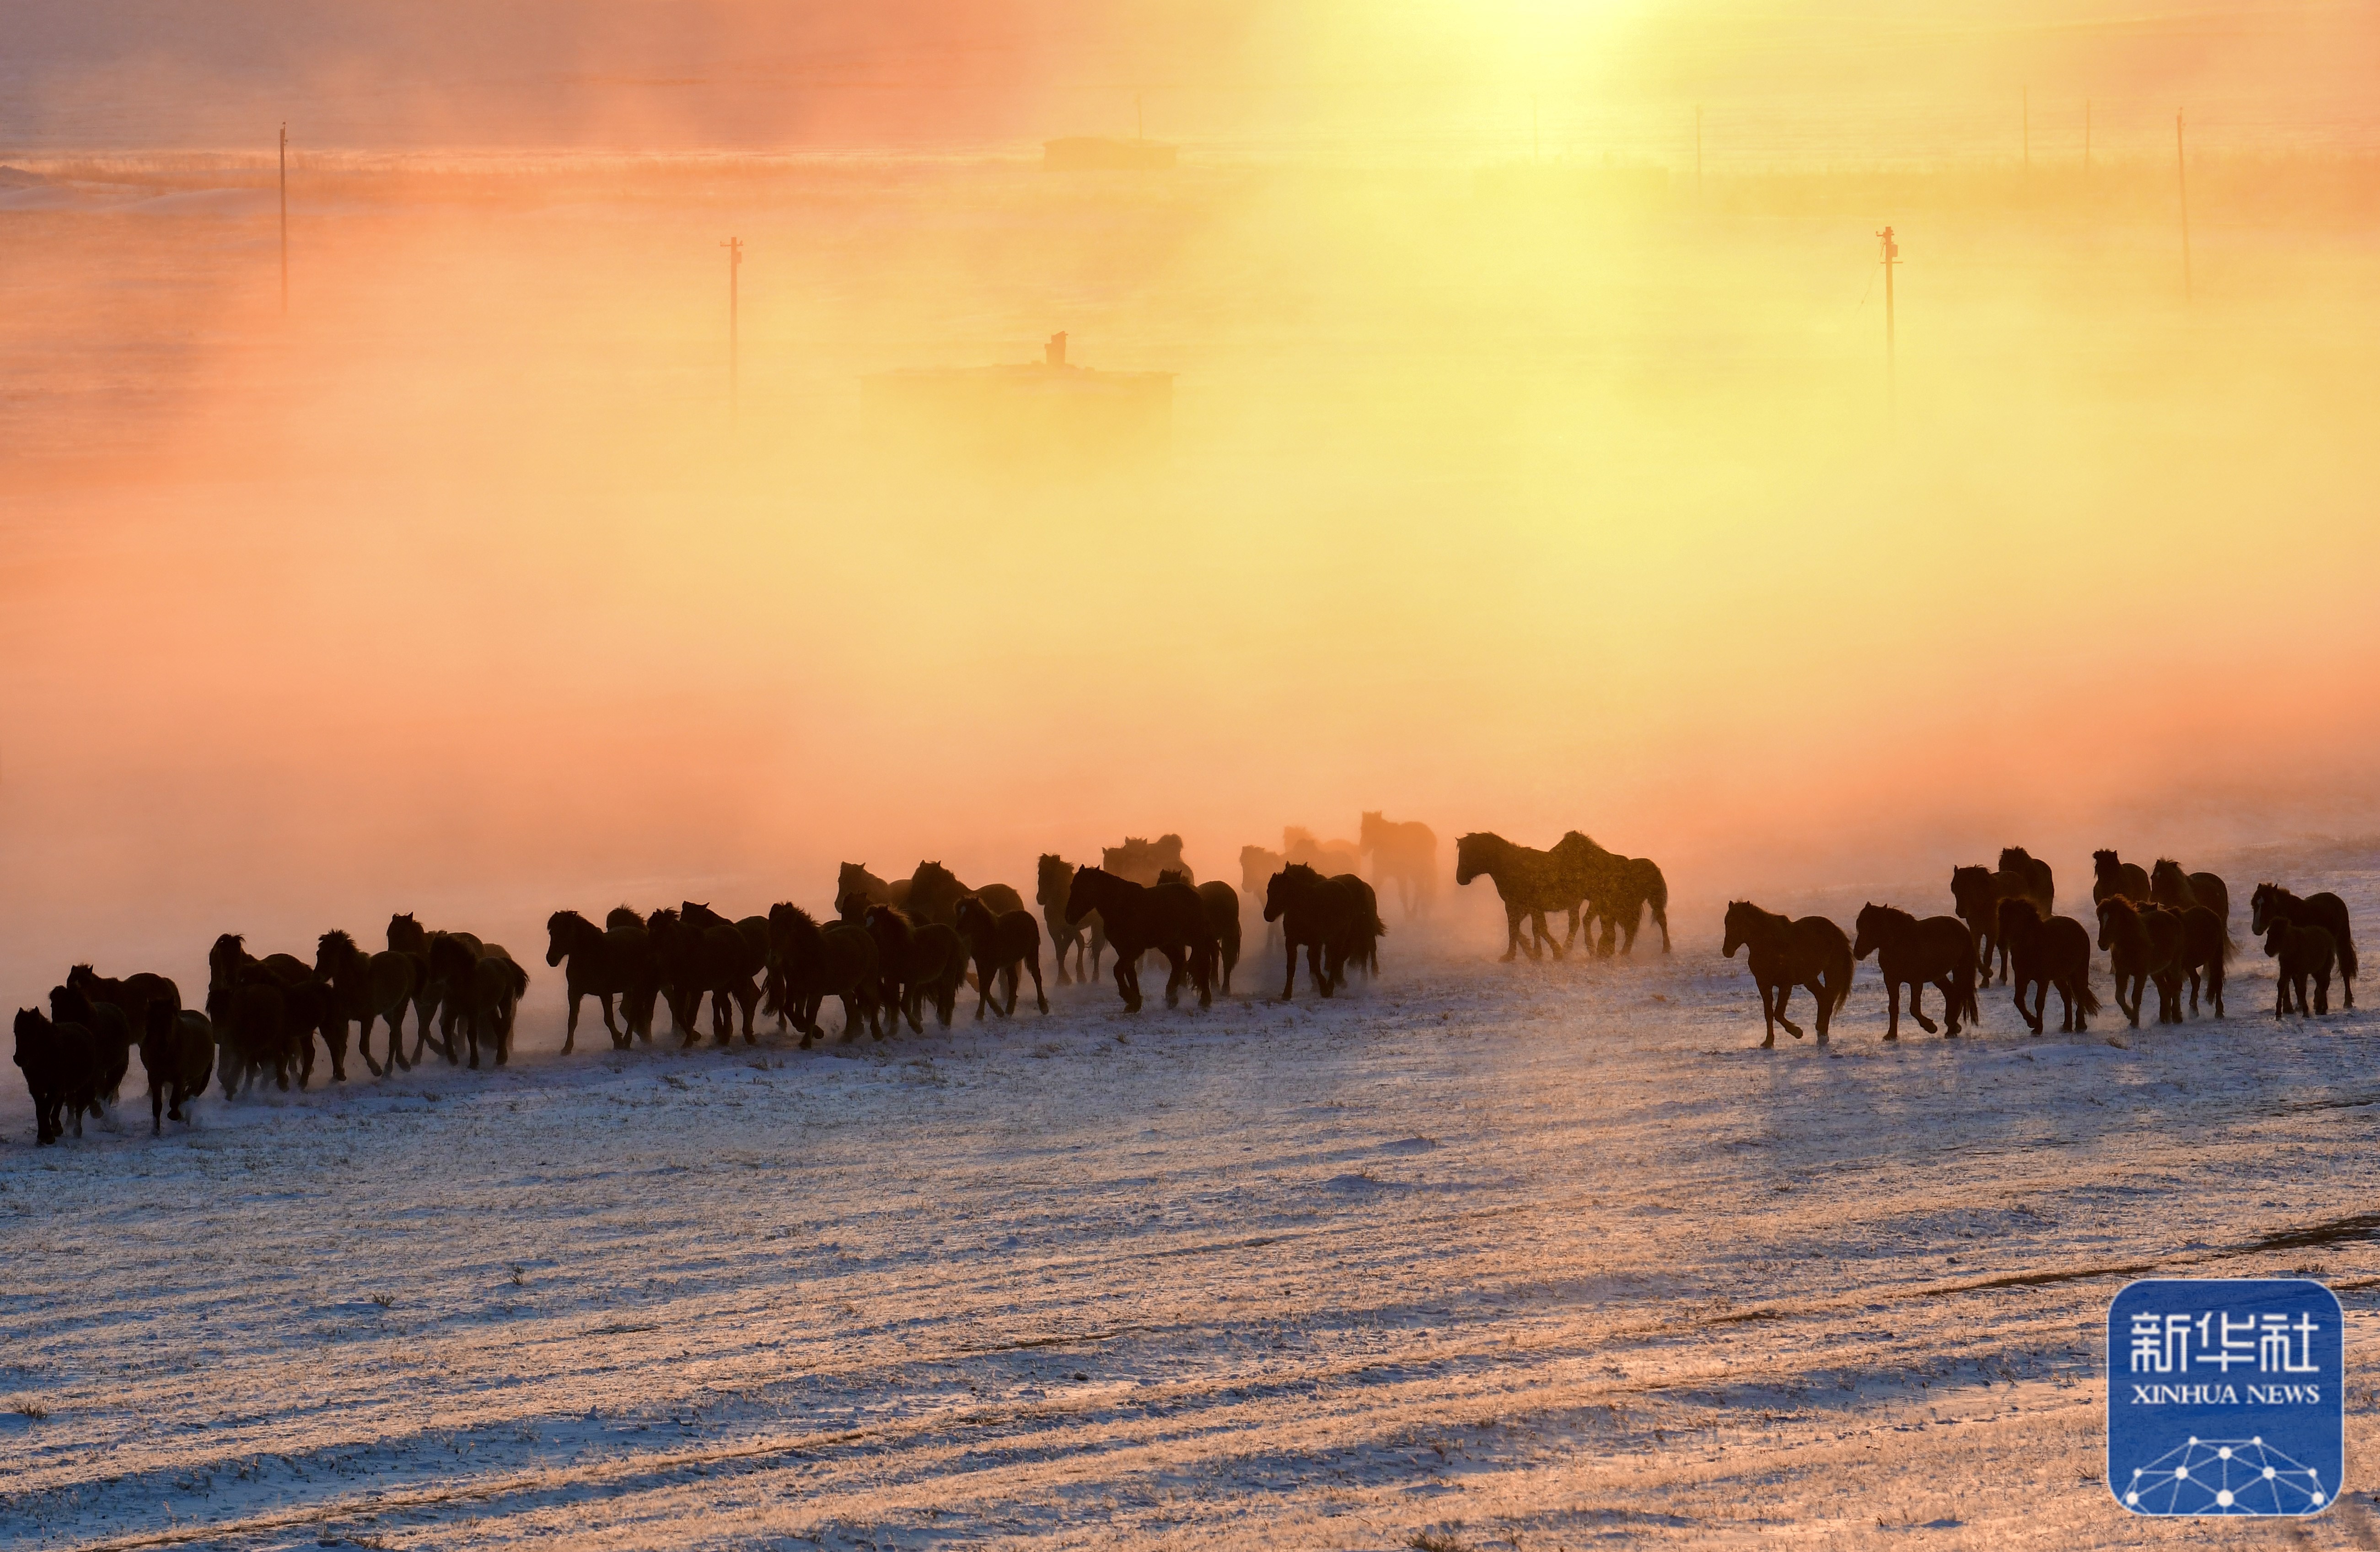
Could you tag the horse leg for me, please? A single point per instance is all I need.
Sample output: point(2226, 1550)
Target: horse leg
point(570, 1026)
point(1950, 1004)
point(1917, 1005)
point(1040, 997)
point(1512, 938)
point(1289, 987)
point(1784, 996)
point(748, 997)
point(1892, 1009)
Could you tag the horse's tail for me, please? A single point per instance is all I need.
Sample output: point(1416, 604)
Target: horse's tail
point(2089, 1001)
point(2346, 946)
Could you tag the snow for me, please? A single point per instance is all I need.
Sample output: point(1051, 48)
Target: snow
point(1527, 1255)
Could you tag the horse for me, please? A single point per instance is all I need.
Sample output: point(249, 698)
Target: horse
point(1329, 858)
point(916, 962)
point(2111, 876)
point(1086, 939)
point(728, 956)
point(113, 1036)
point(1168, 918)
point(178, 1051)
point(2143, 944)
point(1403, 852)
point(407, 936)
point(833, 960)
point(677, 971)
point(2206, 948)
point(1786, 952)
point(2305, 953)
point(131, 995)
point(1223, 904)
point(1256, 867)
point(249, 1013)
point(597, 963)
point(1000, 942)
point(2044, 954)
point(935, 892)
point(1977, 892)
point(483, 994)
point(365, 989)
point(1620, 890)
point(2177, 890)
point(61, 1066)
point(1911, 952)
point(1140, 861)
point(1530, 882)
point(1330, 918)
point(2041, 886)
point(2325, 910)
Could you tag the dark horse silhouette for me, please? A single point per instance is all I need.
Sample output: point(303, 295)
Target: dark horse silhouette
point(1785, 953)
point(2045, 954)
point(1530, 882)
point(368, 989)
point(1619, 890)
point(2304, 953)
point(1086, 939)
point(1335, 920)
point(1140, 860)
point(2177, 890)
point(178, 1051)
point(2143, 944)
point(1977, 893)
point(2111, 876)
point(1168, 918)
point(2325, 910)
point(916, 962)
point(602, 963)
point(1000, 944)
point(856, 889)
point(1403, 853)
point(1911, 952)
point(935, 892)
point(833, 960)
point(1223, 904)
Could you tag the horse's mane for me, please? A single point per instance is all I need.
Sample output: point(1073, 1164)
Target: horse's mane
point(565, 916)
point(933, 873)
point(2028, 911)
point(336, 937)
point(892, 913)
point(1171, 875)
point(789, 909)
point(2105, 860)
point(1889, 912)
point(2013, 856)
point(2167, 868)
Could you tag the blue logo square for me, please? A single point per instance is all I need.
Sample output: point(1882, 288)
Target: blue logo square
point(2227, 1396)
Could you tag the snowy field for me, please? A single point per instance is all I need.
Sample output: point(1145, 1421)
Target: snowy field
point(1528, 1256)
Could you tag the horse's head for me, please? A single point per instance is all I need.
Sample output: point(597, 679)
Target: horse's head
point(623, 916)
point(1474, 854)
point(562, 929)
point(1287, 886)
point(333, 951)
point(1971, 888)
point(224, 959)
point(1050, 877)
point(2105, 865)
point(851, 907)
point(971, 913)
point(69, 1006)
point(405, 936)
point(31, 1026)
point(1873, 922)
point(931, 881)
point(2117, 917)
point(2018, 916)
point(1742, 917)
point(887, 921)
point(698, 914)
point(2277, 935)
point(2166, 877)
point(2259, 906)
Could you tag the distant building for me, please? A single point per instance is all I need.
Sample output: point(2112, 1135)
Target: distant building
point(1044, 411)
point(1093, 153)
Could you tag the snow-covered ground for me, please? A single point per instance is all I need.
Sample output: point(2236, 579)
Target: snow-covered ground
point(1530, 1256)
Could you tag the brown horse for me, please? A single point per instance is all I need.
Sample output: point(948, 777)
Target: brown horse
point(2144, 945)
point(1223, 904)
point(935, 892)
point(2041, 888)
point(1978, 892)
point(1621, 889)
point(1403, 852)
point(1911, 952)
point(833, 961)
point(856, 889)
point(2305, 953)
point(2111, 876)
point(1785, 953)
point(916, 962)
point(178, 1051)
point(1086, 939)
point(1335, 920)
point(2206, 948)
point(1000, 944)
point(2325, 910)
point(2177, 890)
point(731, 957)
point(1530, 882)
point(368, 989)
point(1168, 918)
point(2045, 954)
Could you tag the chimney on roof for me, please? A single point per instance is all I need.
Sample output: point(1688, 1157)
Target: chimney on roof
point(1054, 353)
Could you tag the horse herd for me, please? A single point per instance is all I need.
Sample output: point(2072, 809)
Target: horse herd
point(2163, 927)
point(892, 950)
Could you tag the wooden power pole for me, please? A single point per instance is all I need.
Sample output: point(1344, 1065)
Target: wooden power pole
point(734, 246)
point(285, 219)
point(2182, 183)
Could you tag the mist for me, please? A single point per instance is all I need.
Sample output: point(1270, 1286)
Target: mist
point(1518, 477)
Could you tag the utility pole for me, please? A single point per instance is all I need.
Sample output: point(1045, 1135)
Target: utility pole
point(2182, 182)
point(734, 246)
point(284, 218)
point(1891, 366)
